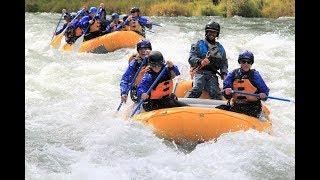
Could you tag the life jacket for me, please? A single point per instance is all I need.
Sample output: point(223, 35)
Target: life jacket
point(244, 83)
point(164, 86)
point(124, 28)
point(215, 52)
point(163, 89)
point(144, 69)
point(135, 26)
point(140, 75)
point(132, 57)
point(95, 26)
point(78, 31)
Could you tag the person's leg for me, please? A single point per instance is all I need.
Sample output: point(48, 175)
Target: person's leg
point(212, 87)
point(197, 87)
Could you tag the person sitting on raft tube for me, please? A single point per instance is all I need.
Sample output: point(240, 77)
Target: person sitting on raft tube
point(247, 80)
point(143, 49)
point(161, 95)
point(137, 23)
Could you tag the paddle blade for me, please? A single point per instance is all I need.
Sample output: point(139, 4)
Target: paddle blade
point(78, 43)
point(57, 40)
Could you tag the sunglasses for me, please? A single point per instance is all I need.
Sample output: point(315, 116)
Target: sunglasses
point(243, 61)
point(155, 65)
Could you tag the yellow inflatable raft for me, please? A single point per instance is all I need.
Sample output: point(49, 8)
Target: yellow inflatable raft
point(108, 42)
point(200, 121)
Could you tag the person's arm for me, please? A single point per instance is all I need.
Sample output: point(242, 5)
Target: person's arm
point(126, 79)
point(261, 85)
point(194, 55)
point(145, 84)
point(227, 83)
point(60, 30)
point(224, 63)
point(145, 22)
point(173, 69)
point(84, 22)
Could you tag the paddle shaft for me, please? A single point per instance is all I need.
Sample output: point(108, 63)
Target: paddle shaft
point(149, 90)
point(257, 95)
point(134, 79)
point(57, 24)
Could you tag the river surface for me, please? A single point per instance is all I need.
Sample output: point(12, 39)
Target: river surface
point(71, 132)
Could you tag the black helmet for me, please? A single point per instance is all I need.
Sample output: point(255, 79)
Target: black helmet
point(67, 15)
point(135, 9)
point(144, 44)
point(246, 55)
point(155, 58)
point(213, 26)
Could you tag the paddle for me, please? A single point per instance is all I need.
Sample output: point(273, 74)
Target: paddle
point(134, 79)
point(155, 24)
point(151, 87)
point(179, 78)
point(76, 45)
point(57, 40)
point(62, 13)
point(257, 95)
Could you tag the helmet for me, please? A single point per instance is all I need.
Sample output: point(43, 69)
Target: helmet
point(156, 58)
point(93, 9)
point(135, 9)
point(67, 15)
point(213, 26)
point(114, 15)
point(246, 55)
point(144, 44)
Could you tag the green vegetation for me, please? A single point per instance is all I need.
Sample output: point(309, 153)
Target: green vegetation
point(225, 8)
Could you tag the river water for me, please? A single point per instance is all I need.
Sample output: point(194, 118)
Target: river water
point(72, 133)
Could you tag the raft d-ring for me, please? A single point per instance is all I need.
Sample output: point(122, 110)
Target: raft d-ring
point(201, 114)
point(164, 112)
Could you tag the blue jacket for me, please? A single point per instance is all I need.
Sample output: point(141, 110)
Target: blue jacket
point(148, 79)
point(84, 21)
point(258, 82)
point(63, 27)
point(128, 76)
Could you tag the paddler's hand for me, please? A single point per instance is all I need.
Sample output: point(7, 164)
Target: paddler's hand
point(169, 64)
point(144, 96)
point(205, 61)
point(124, 98)
point(262, 95)
point(228, 91)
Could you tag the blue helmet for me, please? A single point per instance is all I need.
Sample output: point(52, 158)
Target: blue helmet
point(246, 55)
point(144, 44)
point(93, 9)
point(115, 15)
